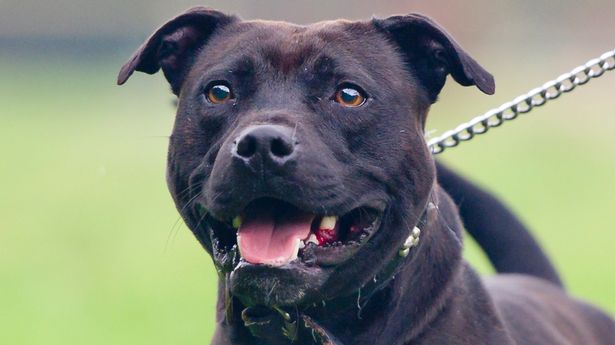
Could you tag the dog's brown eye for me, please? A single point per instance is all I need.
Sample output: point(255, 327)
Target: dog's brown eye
point(349, 96)
point(219, 93)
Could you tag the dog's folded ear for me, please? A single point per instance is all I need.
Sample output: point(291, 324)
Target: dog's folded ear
point(174, 45)
point(432, 54)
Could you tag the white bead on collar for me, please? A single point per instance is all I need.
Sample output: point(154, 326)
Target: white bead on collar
point(410, 242)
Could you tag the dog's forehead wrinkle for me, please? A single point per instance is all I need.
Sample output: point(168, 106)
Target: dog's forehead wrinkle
point(290, 46)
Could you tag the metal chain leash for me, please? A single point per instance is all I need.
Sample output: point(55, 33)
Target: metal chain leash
point(523, 104)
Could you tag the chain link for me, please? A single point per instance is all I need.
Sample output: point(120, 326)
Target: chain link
point(523, 104)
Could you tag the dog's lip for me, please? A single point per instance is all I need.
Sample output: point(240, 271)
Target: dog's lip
point(320, 210)
point(228, 258)
point(328, 255)
point(335, 255)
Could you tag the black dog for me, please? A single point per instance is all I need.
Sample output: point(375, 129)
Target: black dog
point(298, 160)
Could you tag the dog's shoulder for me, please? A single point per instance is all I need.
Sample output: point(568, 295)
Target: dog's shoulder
point(536, 311)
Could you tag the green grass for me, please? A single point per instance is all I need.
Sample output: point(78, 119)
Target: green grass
point(91, 247)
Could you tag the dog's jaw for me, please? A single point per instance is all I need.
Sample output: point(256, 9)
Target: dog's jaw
point(370, 309)
point(311, 279)
point(306, 273)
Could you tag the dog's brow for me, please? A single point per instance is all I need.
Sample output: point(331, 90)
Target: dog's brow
point(241, 66)
point(324, 64)
point(288, 59)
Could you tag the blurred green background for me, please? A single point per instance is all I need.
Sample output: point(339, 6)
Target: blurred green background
point(92, 250)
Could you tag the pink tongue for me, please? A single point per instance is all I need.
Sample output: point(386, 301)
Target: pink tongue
point(269, 234)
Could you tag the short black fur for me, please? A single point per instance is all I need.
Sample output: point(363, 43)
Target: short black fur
point(374, 156)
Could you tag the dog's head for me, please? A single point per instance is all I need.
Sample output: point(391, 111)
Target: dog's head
point(298, 156)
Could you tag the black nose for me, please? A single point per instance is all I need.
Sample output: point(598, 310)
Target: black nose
point(269, 143)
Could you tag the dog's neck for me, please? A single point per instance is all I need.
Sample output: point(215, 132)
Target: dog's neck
point(414, 296)
point(400, 308)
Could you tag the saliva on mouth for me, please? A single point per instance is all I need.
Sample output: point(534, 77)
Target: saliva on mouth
point(276, 233)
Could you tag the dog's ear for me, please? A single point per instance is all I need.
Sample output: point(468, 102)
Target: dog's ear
point(174, 45)
point(432, 54)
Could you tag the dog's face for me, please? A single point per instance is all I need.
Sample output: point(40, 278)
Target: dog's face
point(298, 156)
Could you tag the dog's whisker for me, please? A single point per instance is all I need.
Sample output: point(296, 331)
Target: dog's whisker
point(177, 225)
point(215, 197)
point(359, 306)
point(187, 190)
point(201, 220)
point(172, 233)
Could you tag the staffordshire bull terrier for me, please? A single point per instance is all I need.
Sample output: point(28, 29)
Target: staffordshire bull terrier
point(298, 159)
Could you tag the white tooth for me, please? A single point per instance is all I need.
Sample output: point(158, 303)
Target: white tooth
point(312, 239)
point(301, 244)
point(237, 222)
point(295, 253)
point(239, 244)
point(328, 222)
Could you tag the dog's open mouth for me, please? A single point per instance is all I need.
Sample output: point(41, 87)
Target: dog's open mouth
point(274, 233)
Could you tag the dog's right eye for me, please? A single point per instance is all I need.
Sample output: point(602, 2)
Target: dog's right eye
point(350, 96)
point(218, 93)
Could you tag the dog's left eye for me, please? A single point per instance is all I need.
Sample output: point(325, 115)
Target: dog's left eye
point(350, 96)
point(218, 93)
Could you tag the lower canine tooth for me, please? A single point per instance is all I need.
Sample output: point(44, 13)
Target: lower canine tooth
point(328, 222)
point(295, 252)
